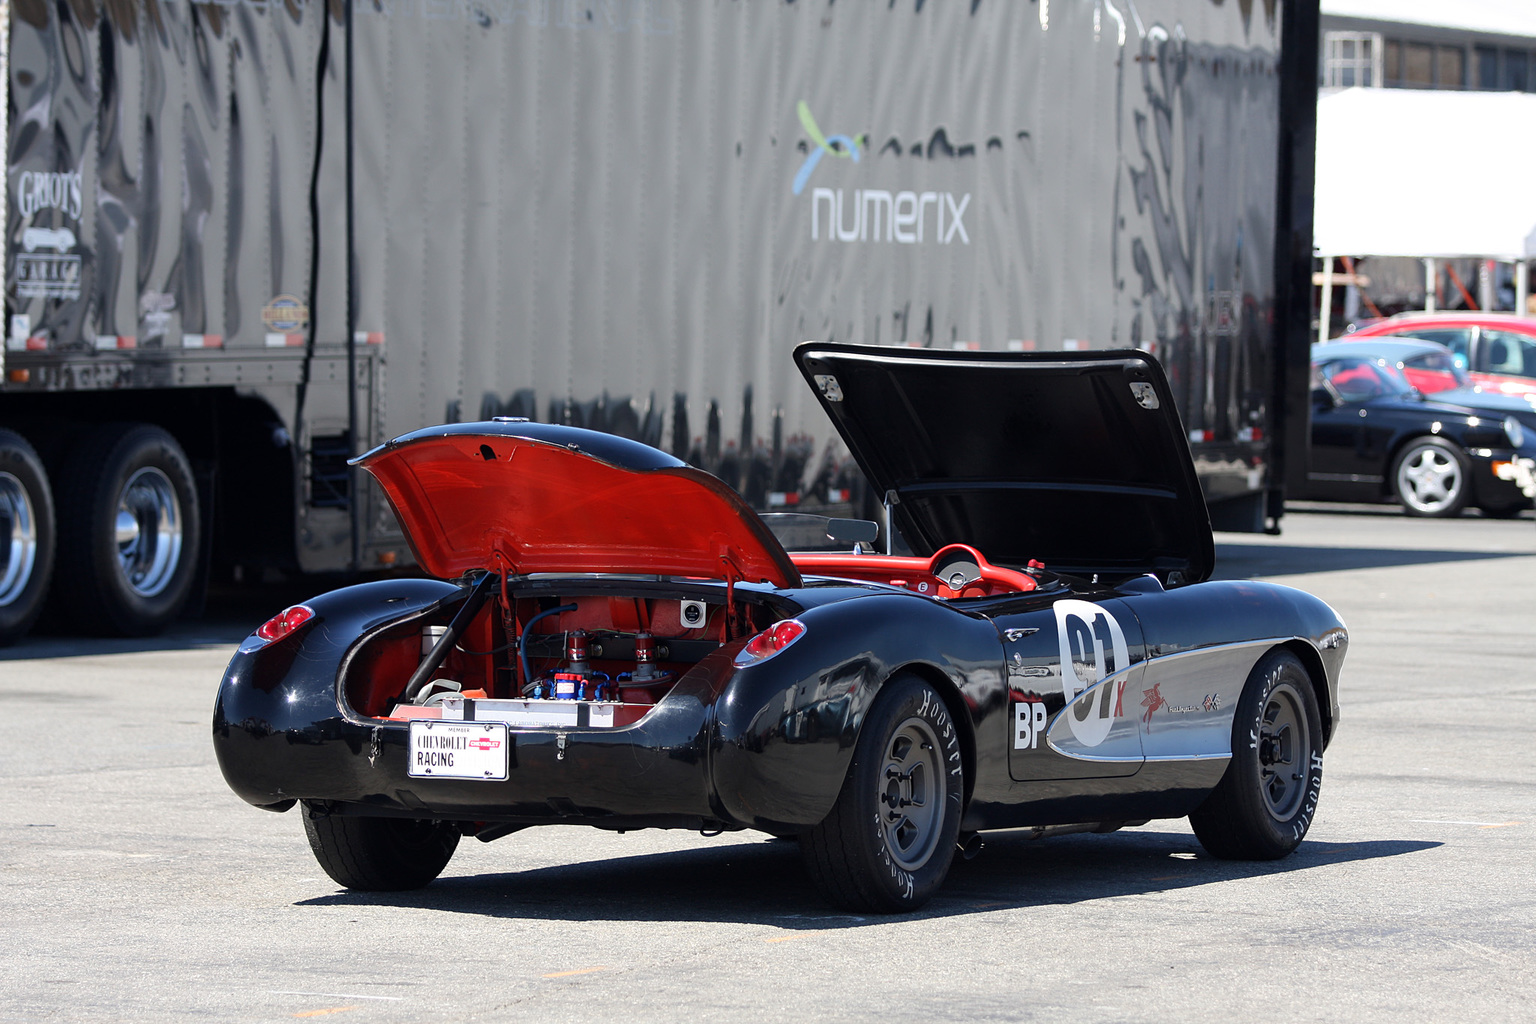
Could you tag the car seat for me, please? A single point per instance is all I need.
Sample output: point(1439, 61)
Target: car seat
point(1498, 354)
point(1357, 383)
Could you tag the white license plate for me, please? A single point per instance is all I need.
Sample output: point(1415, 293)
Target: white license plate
point(458, 750)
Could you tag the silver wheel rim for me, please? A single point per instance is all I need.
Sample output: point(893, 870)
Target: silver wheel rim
point(911, 798)
point(148, 532)
point(20, 545)
point(1429, 479)
point(1285, 749)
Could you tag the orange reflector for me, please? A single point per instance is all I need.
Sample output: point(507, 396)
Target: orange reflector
point(20, 376)
point(386, 558)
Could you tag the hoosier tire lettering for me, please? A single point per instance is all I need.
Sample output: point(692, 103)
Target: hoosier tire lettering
point(1265, 803)
point(888, 841)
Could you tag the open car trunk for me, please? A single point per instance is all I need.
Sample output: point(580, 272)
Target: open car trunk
point(599, 572)
point(578, 652)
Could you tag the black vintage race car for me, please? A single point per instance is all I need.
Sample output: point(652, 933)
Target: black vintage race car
point(615, 639)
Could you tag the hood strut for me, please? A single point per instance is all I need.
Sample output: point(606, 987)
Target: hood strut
point(461, 621)
point(732, 574)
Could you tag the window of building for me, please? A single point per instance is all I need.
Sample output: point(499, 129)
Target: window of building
point(1350, 59)
point(1451, 73)
point(1412, 65)
point(1516, 66)
point(1418, 65)
point(1487, 59)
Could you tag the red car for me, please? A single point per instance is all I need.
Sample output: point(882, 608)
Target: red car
point(1498, 350)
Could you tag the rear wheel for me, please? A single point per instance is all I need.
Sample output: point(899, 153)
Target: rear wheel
point(1264, 804)
point(887, 844)
point(379, 854)
point(1431, 478)
point(128, 532)
point(26, 536)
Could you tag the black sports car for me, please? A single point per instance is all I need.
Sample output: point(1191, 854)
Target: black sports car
point(1376, 436)
point(615, 639)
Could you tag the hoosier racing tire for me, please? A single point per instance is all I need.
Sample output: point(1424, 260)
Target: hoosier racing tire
point(379, 854)
point(1264, 804)
point(887, 844)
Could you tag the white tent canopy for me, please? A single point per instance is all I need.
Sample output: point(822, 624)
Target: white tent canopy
point(1408, 172)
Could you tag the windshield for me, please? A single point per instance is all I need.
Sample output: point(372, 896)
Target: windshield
point(802, 531)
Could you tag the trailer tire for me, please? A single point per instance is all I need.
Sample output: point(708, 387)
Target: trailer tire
point(26, 536)
point(128, 532)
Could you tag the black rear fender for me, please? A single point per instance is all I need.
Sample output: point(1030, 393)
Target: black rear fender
point(786, 728)
point(281, 697)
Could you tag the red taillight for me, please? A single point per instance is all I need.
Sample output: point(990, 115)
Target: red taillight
point(285, 622)
point(771, 641)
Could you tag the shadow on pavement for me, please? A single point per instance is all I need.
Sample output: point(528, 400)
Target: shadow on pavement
point(1245, 561)
point(764, 883)
point(233, 611)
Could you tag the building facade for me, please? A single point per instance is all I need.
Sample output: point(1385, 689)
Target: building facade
point(1487, 45)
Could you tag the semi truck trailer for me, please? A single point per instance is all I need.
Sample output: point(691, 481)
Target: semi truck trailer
point(247, 240)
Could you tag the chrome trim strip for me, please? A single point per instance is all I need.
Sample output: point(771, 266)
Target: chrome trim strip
point(1237, 646)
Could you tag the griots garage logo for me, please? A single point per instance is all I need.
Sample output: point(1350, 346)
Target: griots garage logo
point(873, 214)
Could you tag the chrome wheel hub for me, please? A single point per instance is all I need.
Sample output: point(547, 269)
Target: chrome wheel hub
point(1429, 479)
point(148, 532)
point(18, 538)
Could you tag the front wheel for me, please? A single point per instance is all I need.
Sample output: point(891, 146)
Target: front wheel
point(1431, 478)
point(888, 841)
point(379, 854)
point(1264, 804)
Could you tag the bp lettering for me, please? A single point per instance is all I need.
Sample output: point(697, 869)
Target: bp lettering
point(1028, 724)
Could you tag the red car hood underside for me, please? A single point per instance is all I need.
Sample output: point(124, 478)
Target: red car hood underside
point(486, 499)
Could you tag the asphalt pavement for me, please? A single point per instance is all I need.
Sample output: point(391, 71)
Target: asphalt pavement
point(135, 887)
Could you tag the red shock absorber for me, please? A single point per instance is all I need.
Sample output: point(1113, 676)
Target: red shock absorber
point(576, 652)
point(645, 658)
point(571, 681)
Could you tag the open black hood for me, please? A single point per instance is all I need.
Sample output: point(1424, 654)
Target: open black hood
point(1076, 459)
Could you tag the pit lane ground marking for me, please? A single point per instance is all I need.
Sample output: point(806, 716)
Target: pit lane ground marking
point(791, 938)
point(568, 974)
point(334, 995)
point(1478, 824)
point(322, 1013)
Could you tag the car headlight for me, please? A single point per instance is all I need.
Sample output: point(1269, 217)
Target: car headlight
point(1515, 431)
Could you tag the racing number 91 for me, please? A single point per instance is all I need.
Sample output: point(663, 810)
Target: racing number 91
point(1092, 649)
